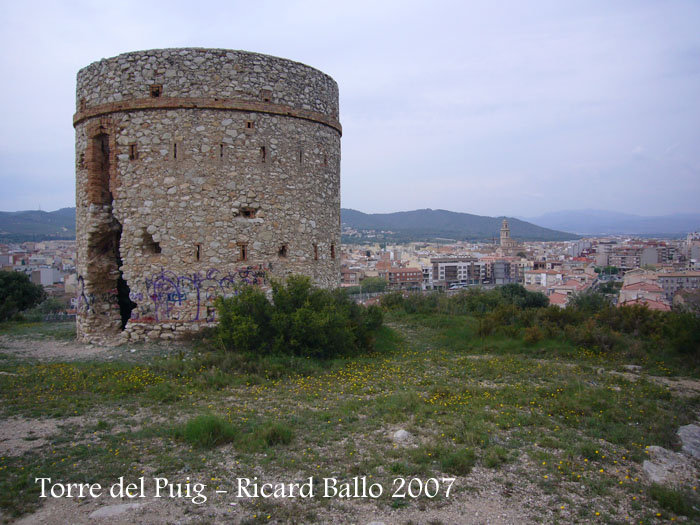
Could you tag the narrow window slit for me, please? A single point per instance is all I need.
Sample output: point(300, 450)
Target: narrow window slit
point(242, 251)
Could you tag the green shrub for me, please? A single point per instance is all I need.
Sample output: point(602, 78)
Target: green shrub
point(593, 336)
point(470, 301)
point(17, 293)
point(276, 434)
point(495, 456)
point(301, 320)
point(588, 302)
point(674, 500)
point(636, 320)
point(392, 301)
point(459, 462)
point(517, 295)
point(683, 332)
point(244, 320)
point(373, 284)
point(260, 436)
point(533, 335)
point(207, 431)
point(165, 392)
point(555, 319)
point(51, 305)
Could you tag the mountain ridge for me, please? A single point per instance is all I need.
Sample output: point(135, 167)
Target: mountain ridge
point(421, 224)
point(603, 222)
point(429, 224)
point(424, 224)
point(37, 225)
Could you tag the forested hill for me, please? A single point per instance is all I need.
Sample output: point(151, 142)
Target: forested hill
point(430, 224)
point(35, 225)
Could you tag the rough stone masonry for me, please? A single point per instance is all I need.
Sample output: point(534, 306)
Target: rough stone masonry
point(198, 171)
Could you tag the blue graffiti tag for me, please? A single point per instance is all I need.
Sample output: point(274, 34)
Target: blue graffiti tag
point(167, 290)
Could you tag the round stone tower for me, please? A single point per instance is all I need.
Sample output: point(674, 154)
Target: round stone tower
point(198, 171)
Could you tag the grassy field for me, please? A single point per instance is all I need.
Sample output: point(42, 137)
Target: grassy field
point(548, 431)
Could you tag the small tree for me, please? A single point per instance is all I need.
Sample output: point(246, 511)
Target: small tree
point(17, 293)
point(588, 302)
point(52, 305)
point(690, 302)
point(683, 332)
point(373, 284)
point(519, 296)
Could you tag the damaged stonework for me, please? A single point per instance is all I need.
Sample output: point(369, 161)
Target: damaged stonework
point(199, 171)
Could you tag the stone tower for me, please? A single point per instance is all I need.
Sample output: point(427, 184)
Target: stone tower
point(197, 171)
point(505, 233)
point(507, 243)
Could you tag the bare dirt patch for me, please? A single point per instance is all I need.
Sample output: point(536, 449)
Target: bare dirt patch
point(50, 350)
point(683, 387)
point(18, 435)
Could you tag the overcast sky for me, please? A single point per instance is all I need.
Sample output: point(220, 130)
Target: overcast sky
point(491, 107)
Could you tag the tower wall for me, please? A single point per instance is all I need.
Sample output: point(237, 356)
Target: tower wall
point(198, 171)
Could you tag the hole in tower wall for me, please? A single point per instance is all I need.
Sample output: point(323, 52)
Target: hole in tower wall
point(98, 170)
point(126, 305)
point(248, 213)
point(111, 305)
point(149, 245)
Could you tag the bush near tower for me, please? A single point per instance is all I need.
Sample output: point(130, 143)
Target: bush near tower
point(301, 320)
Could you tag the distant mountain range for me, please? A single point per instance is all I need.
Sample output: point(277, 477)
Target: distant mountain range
point(35, 225)
point(598, 222)
point(416, 225)
point(421, 225)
